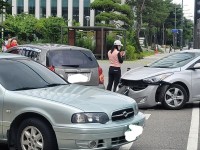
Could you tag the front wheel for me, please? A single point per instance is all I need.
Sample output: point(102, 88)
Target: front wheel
point(34, 134)
point(174, 97)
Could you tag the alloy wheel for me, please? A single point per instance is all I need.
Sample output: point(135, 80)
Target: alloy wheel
point(32, 139)
point(174, 97)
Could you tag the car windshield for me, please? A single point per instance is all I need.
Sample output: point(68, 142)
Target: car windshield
point(24, 74)
point(71, 58)
point(174, 60)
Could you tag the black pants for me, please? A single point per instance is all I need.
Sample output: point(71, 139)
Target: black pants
point(114, 75)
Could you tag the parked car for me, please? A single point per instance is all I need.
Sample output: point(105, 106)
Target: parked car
point(75, 64)
point(40, 110)
point(172, 81)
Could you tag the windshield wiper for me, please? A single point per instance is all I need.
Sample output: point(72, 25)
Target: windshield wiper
point(75, 66)
point(160, 66)
point(54, 84)
point(26, 88)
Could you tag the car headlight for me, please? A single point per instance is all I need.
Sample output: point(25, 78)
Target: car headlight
point(157, 78)
point(90, 118)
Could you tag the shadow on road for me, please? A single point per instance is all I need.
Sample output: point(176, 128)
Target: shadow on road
point(187, 106)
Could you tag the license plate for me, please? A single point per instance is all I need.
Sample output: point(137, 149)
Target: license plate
point(133, 132)
point(78, 77)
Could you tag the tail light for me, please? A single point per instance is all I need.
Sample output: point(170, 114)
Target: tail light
point(101, 76)
point(52, 68)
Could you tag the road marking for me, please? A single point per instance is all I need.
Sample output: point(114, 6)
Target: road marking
point(194, 130)
point(126, 147)
point(147, 116)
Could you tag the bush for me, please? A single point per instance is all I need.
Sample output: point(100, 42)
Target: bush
point(86, 42)
point(130, 52)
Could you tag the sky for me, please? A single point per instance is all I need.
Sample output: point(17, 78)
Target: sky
point(188, 8)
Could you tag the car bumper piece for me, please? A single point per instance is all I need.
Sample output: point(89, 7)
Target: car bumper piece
point(98, 137)
point(144, 98)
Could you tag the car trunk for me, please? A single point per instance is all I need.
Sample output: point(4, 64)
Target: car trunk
point(76, 66)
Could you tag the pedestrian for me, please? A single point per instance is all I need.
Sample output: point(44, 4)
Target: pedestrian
point(189, 45)
point(115, 57)
point(170, 48)
point(12, 42)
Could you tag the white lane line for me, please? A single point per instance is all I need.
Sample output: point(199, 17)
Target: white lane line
point(126, 147)
point(194, 130)
point(147, 116)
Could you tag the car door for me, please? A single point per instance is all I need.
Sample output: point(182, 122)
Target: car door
point(196, 82)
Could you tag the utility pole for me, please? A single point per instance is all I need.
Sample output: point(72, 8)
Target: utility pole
point(181, 40)
point(175, 33)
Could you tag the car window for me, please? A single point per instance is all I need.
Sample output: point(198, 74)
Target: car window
point(32, 53)
point(71, 58)
point(24, 73)
point(174, 60)
point(14, 51)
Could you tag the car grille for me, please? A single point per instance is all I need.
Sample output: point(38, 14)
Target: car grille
point(101, 143)
point(134, 85)
point(122, 114)
point(118, 140)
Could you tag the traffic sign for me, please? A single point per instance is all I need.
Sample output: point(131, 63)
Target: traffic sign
point(174, 30)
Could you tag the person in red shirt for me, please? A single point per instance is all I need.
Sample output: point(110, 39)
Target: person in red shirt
point(8, 45)
point(11, 43)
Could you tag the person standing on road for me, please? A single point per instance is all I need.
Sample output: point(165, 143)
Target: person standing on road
point(115, 57)
point(170, 48)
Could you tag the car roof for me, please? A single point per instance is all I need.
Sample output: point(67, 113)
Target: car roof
point(49, 47)
point(9, 55)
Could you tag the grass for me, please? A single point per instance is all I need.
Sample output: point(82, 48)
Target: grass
point(147, 53)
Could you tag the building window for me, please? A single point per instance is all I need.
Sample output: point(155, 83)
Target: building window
point(76, 10)
point(86, 12)
point(65, 9)
point(54, 8)
point(31, 7)
point(42, 8)
point(9, 9)
point(20, 6)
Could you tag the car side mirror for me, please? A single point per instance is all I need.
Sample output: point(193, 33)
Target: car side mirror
point(196, 66)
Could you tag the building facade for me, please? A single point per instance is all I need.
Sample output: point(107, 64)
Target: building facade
point(71, 10)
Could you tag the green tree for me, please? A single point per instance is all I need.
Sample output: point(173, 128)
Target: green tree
point(22, 25)
point(50, 28)
point(112, 10)
point(3, 5)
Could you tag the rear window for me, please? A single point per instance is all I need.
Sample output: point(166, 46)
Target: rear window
point(71, 58)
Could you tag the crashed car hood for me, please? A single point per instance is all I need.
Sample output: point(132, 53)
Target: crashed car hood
point(145, 72)
point(82, 97)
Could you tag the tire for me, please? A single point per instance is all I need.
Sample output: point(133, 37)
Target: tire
point(43, 137)
point(174, 97)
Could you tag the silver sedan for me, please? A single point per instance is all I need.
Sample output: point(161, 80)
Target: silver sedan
point(172, 81)
point(41, 111)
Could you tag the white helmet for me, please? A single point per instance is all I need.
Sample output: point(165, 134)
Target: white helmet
point(118, 42)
